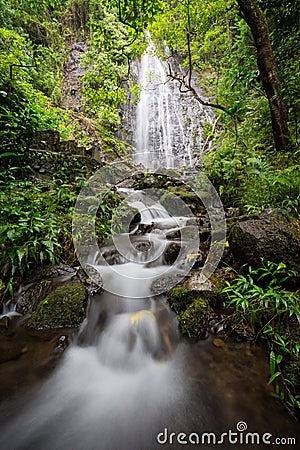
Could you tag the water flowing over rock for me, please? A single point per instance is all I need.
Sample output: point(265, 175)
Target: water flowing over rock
point(169, 123)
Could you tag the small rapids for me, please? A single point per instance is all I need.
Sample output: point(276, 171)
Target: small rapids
point(118, 382)
point(128, 377)
point(128, 380)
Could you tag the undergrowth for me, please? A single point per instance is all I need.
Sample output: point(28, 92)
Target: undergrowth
point(263, 300)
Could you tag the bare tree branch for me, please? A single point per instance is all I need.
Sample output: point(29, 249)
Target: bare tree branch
point(189, 88)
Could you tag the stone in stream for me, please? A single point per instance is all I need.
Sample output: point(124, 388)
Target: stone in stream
point(194, 321)
point(172, 252)
point(164, 283)
point(46, 280)
point(219, 343)
point(180, 298)
point(62, 344)
point(28, 299)
point(91, 278)
point(62, 308)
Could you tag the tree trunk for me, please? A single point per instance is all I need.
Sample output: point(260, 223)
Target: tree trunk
point(267, 66)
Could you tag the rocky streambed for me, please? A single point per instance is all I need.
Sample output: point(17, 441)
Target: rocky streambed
point(47, 312)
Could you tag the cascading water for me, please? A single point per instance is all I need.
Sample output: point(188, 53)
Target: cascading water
point(169, 123)
point(118, 383)
point(128, 379)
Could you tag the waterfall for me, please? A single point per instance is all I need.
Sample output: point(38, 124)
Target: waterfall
point(169, 124)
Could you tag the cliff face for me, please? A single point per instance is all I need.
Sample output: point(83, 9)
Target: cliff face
point(73, 73)
point(161, 117)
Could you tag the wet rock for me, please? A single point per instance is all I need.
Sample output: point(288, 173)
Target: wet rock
point(57, 271)
point(150, 180)
point(210, 288)
point(175, 205)
point(194, 321)
point(196, 282)
point(272, 236)
point(172, 235)
point(45, 281)
point(91, 279)
point(180, 298)
point(4, 322)
point(64, 307)
point(62, 344)
point(218, 342)
point(164, 284)
point(191, 200)
point(29, 298)
point(145, 228)
point(172, 252)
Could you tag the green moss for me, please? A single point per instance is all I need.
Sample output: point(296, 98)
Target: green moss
point(190, 198)
point(193, 321)
point(62, 308)
point(175, 200)
point(173, 204)
point(179, 298)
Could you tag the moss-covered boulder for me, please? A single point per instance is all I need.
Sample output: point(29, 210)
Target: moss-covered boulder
point(194, 320)
point(180, 298)
point(64, 307)
point(191, 199)
point(210, 289)
point(272, 236)
point(174, 204)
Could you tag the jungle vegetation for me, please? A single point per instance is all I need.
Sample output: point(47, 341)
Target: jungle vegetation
point(246, 56)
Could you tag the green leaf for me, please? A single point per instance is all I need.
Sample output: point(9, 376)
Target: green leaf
point(272, 362)
point(21, 253)
point(272, 378)
point(6, 154)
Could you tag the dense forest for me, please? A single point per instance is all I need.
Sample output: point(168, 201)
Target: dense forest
point(239, 58)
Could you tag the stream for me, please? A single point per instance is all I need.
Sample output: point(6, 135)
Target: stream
point(129, 381)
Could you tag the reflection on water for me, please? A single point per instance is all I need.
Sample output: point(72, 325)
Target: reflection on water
point(107, 394)
point(128, 378)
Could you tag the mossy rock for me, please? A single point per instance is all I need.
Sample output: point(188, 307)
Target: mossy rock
point(180, 298)
point(194, 320)
point(64, 307)
point(272, 236)
point(157, 180)
point(191, 199)
point(125, 219)
point(174, 204)
point(210, 290)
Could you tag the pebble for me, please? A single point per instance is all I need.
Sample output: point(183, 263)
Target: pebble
point(218, 342)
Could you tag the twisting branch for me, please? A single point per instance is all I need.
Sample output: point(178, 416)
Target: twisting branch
point(125, 19)
point(187, 87)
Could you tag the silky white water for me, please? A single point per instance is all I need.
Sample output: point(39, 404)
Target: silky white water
point(127, 377)
point(169, 122)
point(118, 382)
